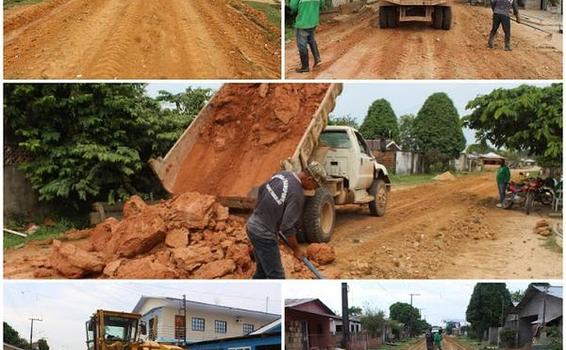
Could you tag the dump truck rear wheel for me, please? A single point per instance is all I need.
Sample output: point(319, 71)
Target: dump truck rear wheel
point(392, 17)
point(319, 217)
point(446, 18)
point(378, 190)
point(437, 16)
point(383, 17)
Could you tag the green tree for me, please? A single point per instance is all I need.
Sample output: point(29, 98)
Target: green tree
point(406, 314)
point(346, 120)
point(526, 118)
point(517, 295)
point(373, 321)
point(487, 306)
point(406, 133)
point(380, 122)
point(42, 344)
point(355, 310)
point(12, 337)
point(89, 141)
point(481, 148)
point(185, 104)
point(438, 132)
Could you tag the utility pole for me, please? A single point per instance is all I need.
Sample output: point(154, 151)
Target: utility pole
point(345, 317)
point(185, 317)
point(544, 306)
point(413, 295)
point(267, 304)
point(31, 331)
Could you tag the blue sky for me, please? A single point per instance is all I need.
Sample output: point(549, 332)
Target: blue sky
point(405, 97)
point(438, 299)
point(65, 306)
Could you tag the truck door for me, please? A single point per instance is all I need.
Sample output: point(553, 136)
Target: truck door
point(366, 160)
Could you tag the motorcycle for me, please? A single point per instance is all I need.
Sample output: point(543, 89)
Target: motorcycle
point(527, 192)
point(516, 194)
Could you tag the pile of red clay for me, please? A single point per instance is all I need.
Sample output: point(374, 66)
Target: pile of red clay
point(251, 128)
point(543, 228)
point(188, 236)
point(321, 253)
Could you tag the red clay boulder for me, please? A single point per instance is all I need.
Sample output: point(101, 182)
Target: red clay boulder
point(133, 206)
point(137, 234)
point(190, 210)
point(216, 269)
point(101, 234)
point(321, 253)
point(73, 262)
point(177, 238)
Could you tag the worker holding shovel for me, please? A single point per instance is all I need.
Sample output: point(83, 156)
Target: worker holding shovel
point(501, 9)
point(279, 210)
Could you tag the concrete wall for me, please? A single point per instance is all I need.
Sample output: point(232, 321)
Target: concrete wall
point(19, 197)
point(408, 163)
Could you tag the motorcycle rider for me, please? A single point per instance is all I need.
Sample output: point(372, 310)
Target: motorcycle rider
point(503, 176)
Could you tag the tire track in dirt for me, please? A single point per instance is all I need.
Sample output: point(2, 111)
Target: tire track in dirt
point(417, 51)
point(139, 39)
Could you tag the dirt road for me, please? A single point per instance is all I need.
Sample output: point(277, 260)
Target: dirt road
point(442, 230)
point(448, 343)
point(351, 48)
point(198, 39)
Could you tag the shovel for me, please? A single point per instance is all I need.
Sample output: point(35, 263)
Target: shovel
point(305, 261)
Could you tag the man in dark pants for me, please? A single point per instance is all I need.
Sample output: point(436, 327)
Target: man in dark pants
point(279, 208)
point(501, 9)
point(308, 18)
point(429, 339)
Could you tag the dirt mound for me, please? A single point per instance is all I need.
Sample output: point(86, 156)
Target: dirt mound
point(252, 128)
point(321, 253)
point(446, 176)
point(189, 236)
point(543, 228)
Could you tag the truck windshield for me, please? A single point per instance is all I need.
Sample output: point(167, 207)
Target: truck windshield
point(335, 139)
point(120, 329)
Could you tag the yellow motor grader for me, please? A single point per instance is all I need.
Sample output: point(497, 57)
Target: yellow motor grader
point(112, 330)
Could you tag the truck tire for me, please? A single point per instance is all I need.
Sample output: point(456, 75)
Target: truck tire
point(383, 17)
point(319, 217)
point(392, 17)
point(446, 18)
point(378, 190)
point(437, 15)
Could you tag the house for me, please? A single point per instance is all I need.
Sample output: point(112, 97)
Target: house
point(355, 325)
point(491, 160)
point(391, 155)
point(165, 320)
point(541, 305)
point(267, 337)
point(308, 325)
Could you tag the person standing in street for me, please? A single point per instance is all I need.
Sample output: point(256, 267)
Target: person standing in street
point(501, 9)
point(279, 209)
point(429, 339)
point(502, 177)
point(306, 21)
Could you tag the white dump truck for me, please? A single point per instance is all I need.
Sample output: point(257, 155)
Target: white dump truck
point(393, 12)
point(354, 176)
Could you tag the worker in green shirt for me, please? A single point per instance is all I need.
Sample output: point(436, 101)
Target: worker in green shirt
point(306, 21)
point(438, 340)
point(503, 176)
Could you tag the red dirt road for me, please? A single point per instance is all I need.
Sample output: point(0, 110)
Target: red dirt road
point(108, 39)
point(354, 49)
point(442, 230)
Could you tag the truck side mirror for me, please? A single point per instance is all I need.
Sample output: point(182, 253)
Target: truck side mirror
point(143, 328)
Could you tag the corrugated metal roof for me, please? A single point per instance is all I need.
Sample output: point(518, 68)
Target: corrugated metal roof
point(295, 302)
point(270, 328)
point(555, 291)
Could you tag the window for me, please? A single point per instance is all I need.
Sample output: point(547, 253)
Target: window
point(120, 329)
point(336, 139)
point(197, 324)
point(248, 328)
point(363, 145)
point(220, 326)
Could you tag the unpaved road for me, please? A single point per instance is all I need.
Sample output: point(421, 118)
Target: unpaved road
point(438, 230)
point(354, 49)
point(448, 343)
point(108, 39)
point(442, 230)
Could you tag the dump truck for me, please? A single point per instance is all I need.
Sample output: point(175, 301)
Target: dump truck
point(393, 12)
point(354, 176)
point(113, 330)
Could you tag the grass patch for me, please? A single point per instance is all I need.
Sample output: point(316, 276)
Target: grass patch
point(473, 344)
point(403, 344)
point(550, 244)
point(44, 232)
point(407, 180)
point(273, 12)
point(11, 3)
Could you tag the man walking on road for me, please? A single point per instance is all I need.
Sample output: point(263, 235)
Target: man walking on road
point(501, 9)
point(438, 340)
point(429, 339)
point(279, 208)
point(503, 177)
point(308, 18)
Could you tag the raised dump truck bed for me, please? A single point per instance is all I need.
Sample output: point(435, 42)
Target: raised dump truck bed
point(243, 135)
